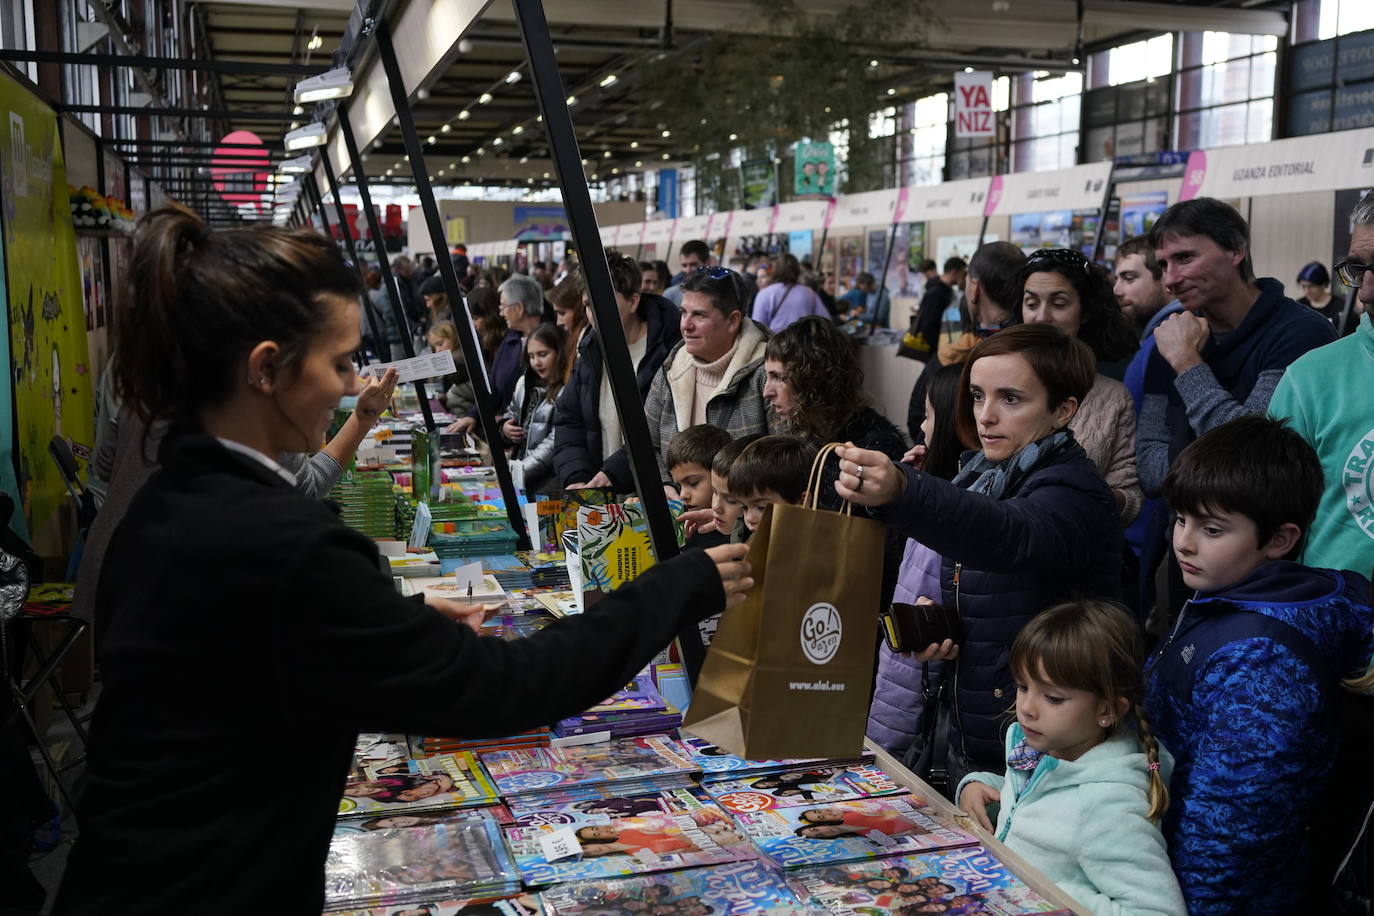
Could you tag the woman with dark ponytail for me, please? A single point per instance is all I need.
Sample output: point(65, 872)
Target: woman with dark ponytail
point(238, 607)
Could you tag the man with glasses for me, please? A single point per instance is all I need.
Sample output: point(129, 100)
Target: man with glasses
point(1321, 395)
point(522, 305)
point(693, 256)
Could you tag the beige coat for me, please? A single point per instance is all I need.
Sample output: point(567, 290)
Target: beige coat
point(1105, 426)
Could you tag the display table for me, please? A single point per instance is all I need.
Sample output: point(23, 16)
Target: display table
point(1037, 882)
point(888, 379)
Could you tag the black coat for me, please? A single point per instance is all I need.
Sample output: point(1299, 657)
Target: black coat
point(252, 637)
point(1054, 538)
point(578, 450)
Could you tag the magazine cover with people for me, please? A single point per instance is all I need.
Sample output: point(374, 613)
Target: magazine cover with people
point(732, 889)
point(789, 789)
point(444, 781)
point(465, 859)
point(629, 845)
point(526, 770)
point(523, 905)
point(714, 760)
point(605, 810)
point(954, 881)
point(848, 830)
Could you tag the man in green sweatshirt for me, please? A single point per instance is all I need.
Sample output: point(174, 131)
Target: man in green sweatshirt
point(1322, 395)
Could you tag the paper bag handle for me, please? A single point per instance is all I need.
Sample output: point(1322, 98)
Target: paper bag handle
point(816, 477)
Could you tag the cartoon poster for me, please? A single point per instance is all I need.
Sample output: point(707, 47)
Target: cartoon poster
point(50, 370)
point(536, 223)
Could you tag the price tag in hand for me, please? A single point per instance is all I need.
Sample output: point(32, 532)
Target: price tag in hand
point(560, 844)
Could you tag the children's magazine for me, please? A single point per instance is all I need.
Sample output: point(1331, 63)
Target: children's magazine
point(848, 830)
point(965, 880)
point(792, 788)
point(732, 889)
point(445, 781)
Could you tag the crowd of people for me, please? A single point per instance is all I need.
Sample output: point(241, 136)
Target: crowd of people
point(1170, 454)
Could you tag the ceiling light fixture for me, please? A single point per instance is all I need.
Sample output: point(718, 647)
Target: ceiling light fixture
point(298, 166)
point(519, 129)
point(484, 98)
point(572, 100)
point(608, 80)
point(464, 115)
point(306, 137)
point(446, 128)
point(513, 77)
point(332, 84)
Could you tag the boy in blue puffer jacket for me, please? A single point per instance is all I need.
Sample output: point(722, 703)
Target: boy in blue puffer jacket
point(1244, 688)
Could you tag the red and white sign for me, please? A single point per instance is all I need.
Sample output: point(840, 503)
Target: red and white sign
point(973, 116)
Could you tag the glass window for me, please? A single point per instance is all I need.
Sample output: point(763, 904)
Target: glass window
point(1045, 121)
point(1341, 17)
point(1228, 97)
point(925, 160)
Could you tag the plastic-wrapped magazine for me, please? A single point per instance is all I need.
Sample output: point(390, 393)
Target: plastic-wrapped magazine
point(966, 880)
point(604, 810)
point(848, 830)
point(464, 859)
point(526, 804)
point(714, 760)
point(375, 747)
point(444, 781)
point(523, 905)
point(394, 820)
point(628, 845)
point(732, 889)
point(538, 769)
point(792, 788)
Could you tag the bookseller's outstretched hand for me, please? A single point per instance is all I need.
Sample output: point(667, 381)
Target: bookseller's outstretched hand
point(734, 571)
point(471, 614)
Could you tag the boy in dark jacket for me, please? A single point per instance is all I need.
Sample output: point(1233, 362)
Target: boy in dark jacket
point(1243, 690)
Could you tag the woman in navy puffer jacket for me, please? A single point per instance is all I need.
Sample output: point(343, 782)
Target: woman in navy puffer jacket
point(1027, 523)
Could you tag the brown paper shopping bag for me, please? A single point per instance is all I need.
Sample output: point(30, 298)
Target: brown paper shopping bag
point(789, 671)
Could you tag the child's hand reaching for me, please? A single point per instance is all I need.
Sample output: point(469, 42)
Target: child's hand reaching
point(697, 520)
point(975, 800)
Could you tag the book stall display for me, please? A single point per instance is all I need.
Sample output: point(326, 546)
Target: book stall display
point(615, 811)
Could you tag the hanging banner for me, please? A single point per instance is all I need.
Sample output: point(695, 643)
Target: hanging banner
point(951, 200)
point(870, 208)
point(665, 197)
point(51, 375)
point(973, 115)
point(800, 215)
point(757, 183)
point(690, 227)
point(1299, 165)
point(1078, 188)
point(815, 169)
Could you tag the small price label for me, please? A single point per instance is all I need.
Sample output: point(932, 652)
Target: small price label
point(560, 844)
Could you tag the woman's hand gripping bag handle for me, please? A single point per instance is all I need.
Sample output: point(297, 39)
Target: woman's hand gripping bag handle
point(789, 671)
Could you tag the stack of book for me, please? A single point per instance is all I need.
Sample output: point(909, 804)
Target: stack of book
point(638, 709)
point(365, 502)
point(459, 859)
point(533, 778)
point(427, 746)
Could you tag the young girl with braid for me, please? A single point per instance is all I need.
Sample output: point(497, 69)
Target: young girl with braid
point(1086, 781)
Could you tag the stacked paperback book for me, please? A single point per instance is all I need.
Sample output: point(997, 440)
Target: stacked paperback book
point(366, 502)
point(638, 709)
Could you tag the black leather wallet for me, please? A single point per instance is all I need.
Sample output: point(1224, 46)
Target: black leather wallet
point(914, 627)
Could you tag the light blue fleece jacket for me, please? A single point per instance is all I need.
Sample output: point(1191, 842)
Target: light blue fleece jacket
point(1082, 823)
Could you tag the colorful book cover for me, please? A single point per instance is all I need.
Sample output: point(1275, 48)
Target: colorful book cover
point(522, 905)
point(849, 830)
point(397, 819)
point(453, 860)
point(630, 845)
point(731, 889)
point(792, 788)
point(640, 695)
point(445, 781)
point(520, 805)
point(965, 880)
point(537, 769)
point(620, 724)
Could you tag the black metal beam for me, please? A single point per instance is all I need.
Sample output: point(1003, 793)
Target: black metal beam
point(189, 144)
point(374, 228)
point(615, 350)
point(373, 322)
point(217, 114)
point(216, 65)
point(467, 337)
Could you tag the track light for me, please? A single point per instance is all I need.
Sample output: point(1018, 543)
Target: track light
point(332, 84)
point(306, 137)
point(298, 166)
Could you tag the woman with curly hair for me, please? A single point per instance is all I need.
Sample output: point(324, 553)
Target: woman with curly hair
point(815, 387)
point(1061, 287)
